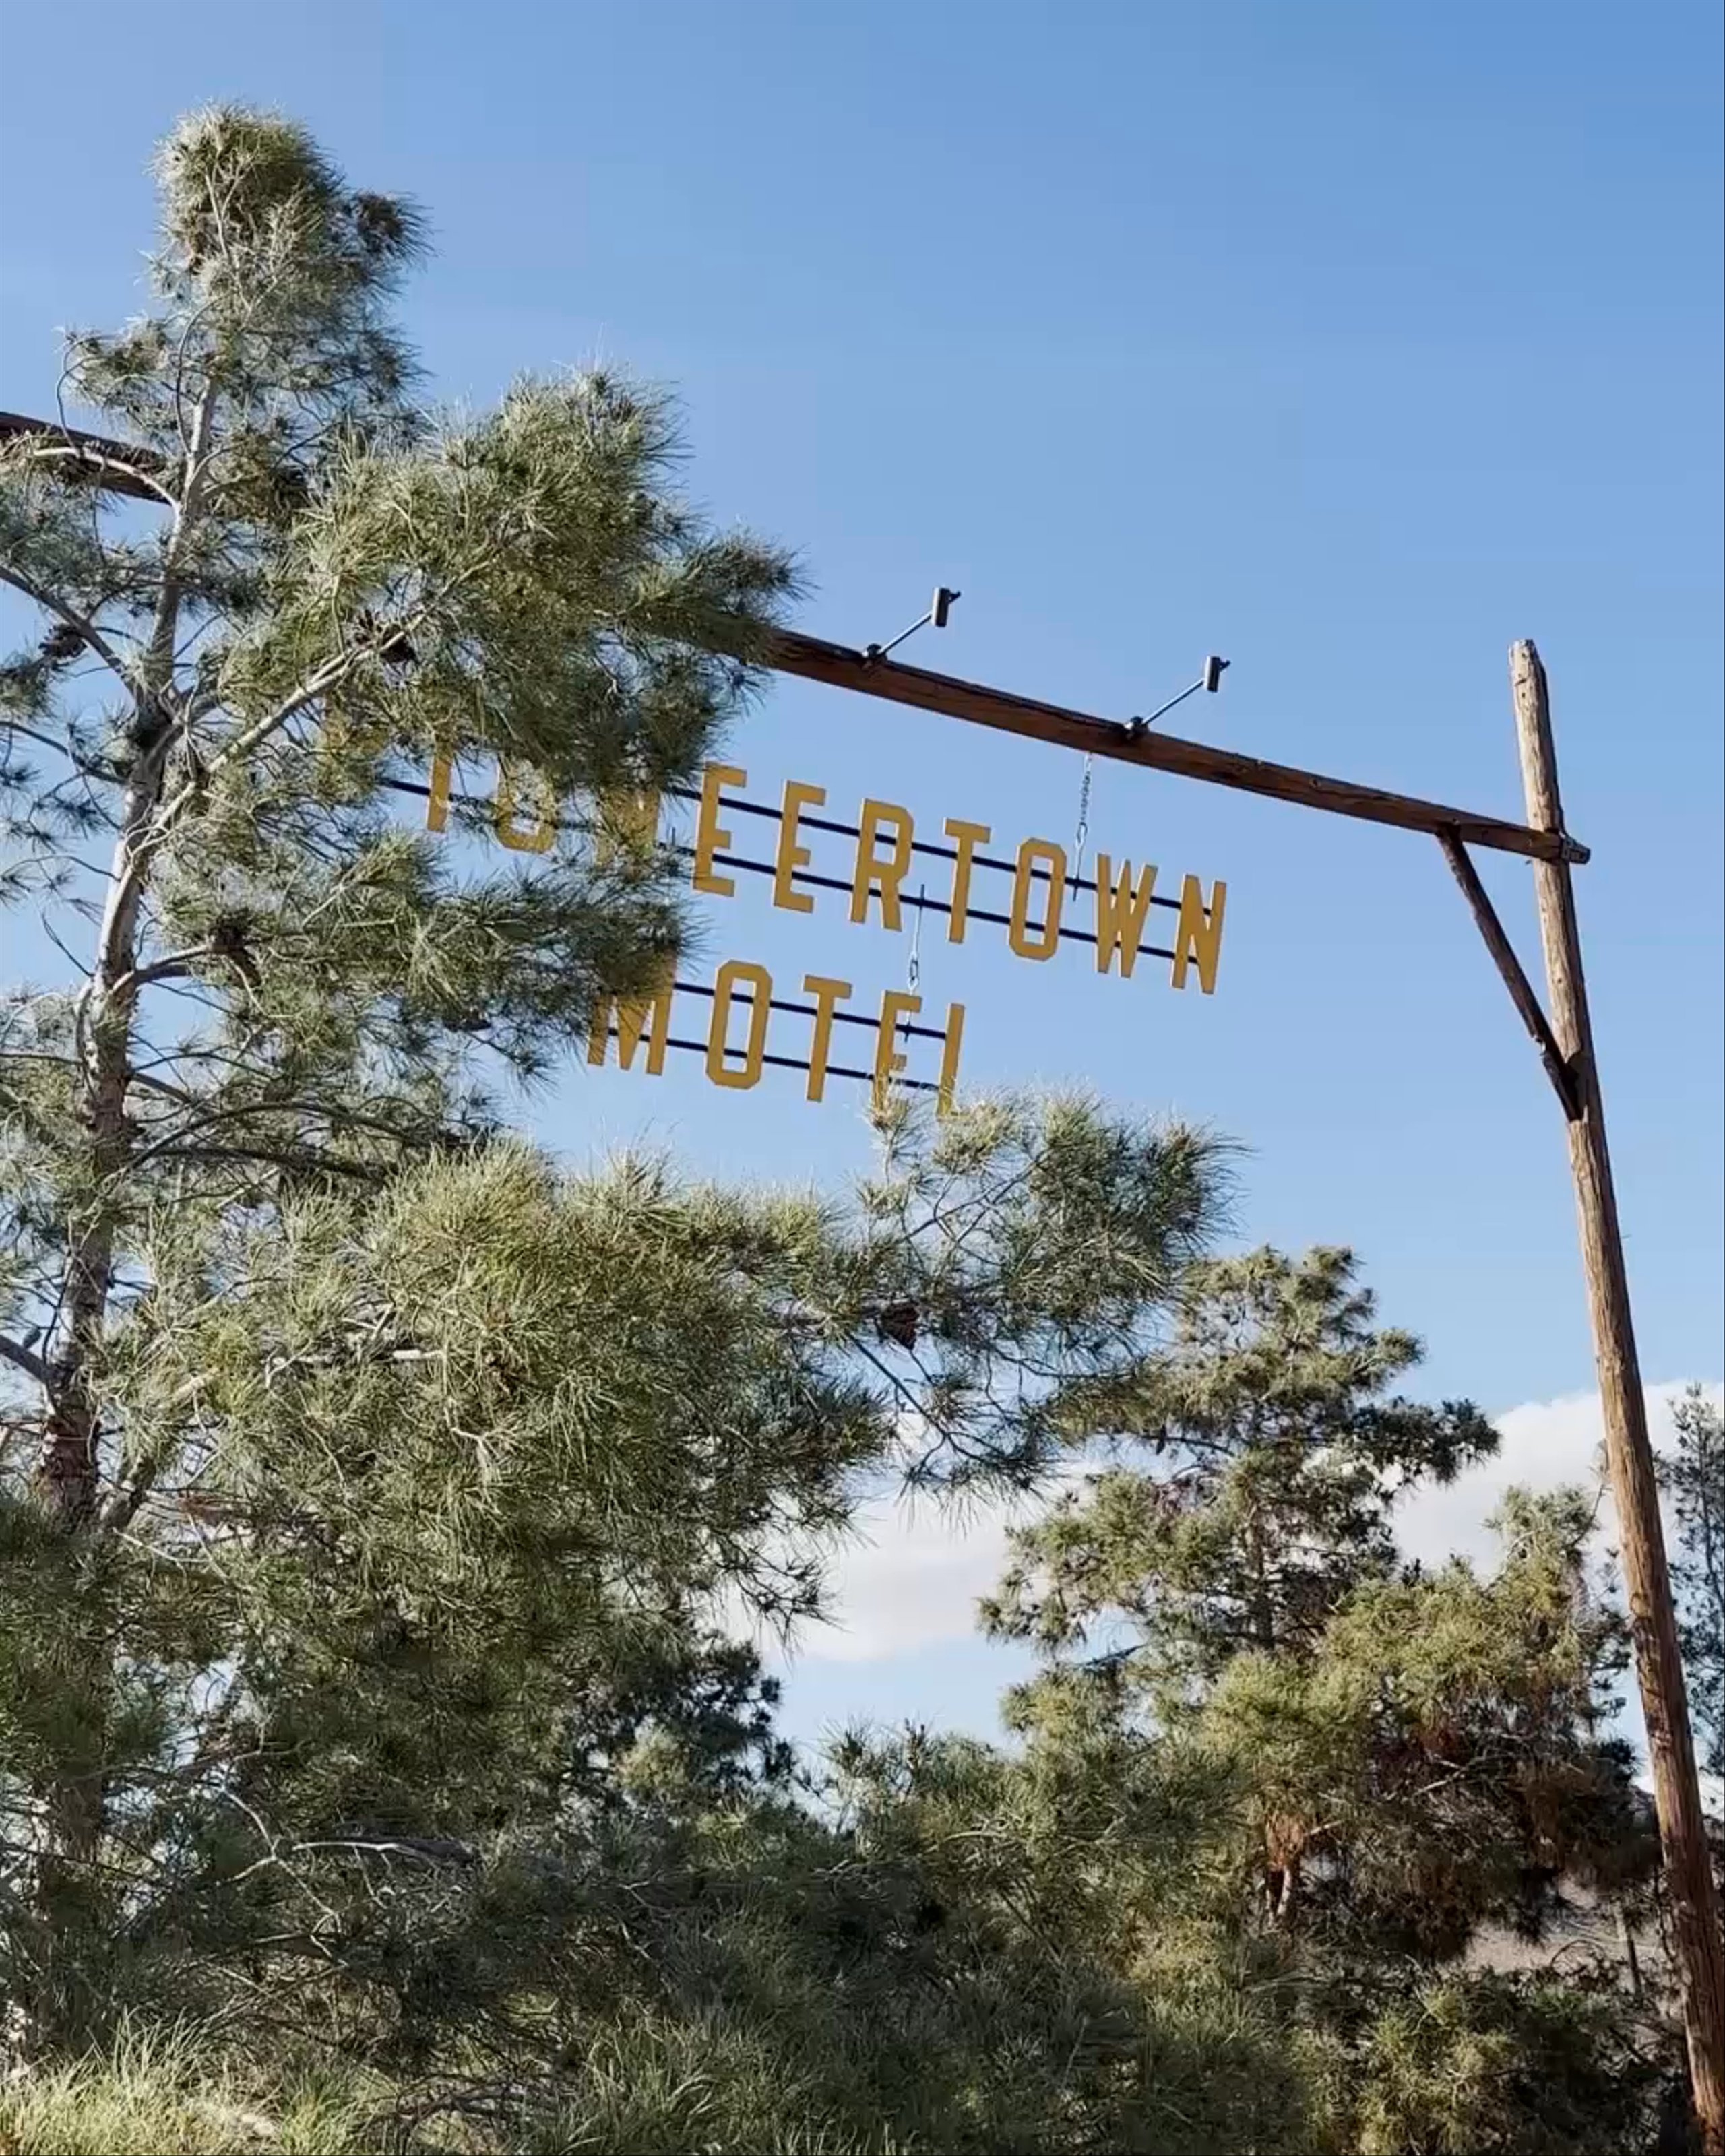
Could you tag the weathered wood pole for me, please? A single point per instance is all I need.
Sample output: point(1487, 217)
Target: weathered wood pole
point(1700, 1941)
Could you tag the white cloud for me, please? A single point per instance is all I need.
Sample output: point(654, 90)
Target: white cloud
point(912, 1578)
point(1544, 1444)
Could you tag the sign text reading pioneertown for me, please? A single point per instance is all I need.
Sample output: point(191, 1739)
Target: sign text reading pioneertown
point(1046, 907)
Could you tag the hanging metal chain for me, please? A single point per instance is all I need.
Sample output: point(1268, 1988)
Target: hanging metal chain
point(1078, 843)
point(913, 971)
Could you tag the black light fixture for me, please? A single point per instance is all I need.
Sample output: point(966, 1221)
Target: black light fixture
point(1215, 667)
point(944, 600)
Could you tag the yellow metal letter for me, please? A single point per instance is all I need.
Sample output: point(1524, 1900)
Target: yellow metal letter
point(437, 797)
point(737, 973)
point(968, 837)
point(954, 1041)
point(1121, 909)
point(826, 993)
point(538, 838)
point(710, 837)
point(873, 873)
point(1200, 934)
point(632, 1020)
point(791, 856)
point(896, 1004)
point(1023, 885)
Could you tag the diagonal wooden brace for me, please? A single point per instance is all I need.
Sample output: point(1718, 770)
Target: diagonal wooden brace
point(1521, 989)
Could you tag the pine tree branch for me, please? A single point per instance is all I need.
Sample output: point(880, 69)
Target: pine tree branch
point(122, 1508)
point(329, 1110)
point(55, 747)
point(179, 966)
point(423, 1849)
point(80, 624)
point(94, 458)
point(302, 1161)
point(158, 662)
point(25, 1359)
point(330, 675)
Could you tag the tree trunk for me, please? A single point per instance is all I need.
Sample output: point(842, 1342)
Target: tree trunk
point(69, 1467)
point(74, 1795)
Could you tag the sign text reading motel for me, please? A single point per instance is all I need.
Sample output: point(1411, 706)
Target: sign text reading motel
point(885, 880)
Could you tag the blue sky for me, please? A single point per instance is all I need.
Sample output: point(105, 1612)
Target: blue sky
point(1351, 342)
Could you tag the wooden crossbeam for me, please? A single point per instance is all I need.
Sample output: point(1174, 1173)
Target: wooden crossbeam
point(839, 667)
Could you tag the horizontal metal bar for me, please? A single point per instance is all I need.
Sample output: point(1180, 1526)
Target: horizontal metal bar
point(926, 905)
point(791, 1063)
point(813, 877)
point(809, 1010)
point(928, 846)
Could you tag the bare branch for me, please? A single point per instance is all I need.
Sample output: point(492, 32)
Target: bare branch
point(47, 742)
point(22, 581)
point(99, 462)
point(122, 1508)
point(164, 969)
point(25, 1359)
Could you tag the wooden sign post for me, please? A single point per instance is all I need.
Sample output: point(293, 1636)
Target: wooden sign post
point(1659, 1665)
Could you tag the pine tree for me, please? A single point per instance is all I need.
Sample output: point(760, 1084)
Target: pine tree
point(1694, 1477)
point(371, 1498)
point(1441, 1758)
point(374, 1499)
point(1263, 1455)
point(1391, 1758)
point(455, 1482)
point(275, 977)
point(276, 983)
